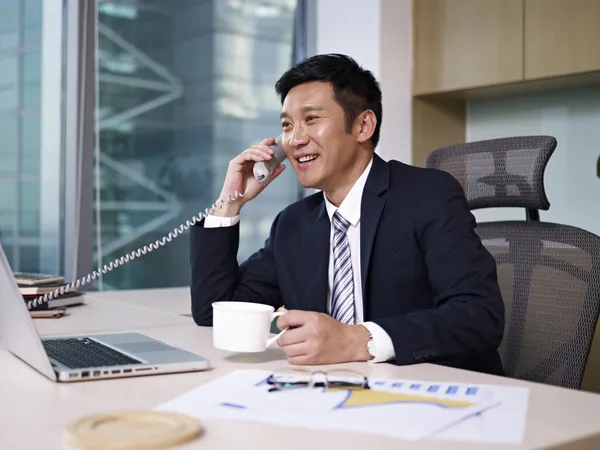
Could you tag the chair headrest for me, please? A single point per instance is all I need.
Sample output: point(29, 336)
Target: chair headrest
point(504, 172)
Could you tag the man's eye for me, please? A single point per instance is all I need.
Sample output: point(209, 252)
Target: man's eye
point(311, 117)
point(285, 124)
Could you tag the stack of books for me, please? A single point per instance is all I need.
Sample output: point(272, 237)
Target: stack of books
point(34, 285)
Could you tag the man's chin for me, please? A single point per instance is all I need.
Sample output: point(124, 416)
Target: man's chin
point(307, 183)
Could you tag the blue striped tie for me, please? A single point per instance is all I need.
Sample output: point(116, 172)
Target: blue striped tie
point(342, 304)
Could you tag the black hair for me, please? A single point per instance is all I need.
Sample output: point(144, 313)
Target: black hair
point(355, 89)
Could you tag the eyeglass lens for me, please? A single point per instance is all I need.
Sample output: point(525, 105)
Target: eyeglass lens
point(289, 379)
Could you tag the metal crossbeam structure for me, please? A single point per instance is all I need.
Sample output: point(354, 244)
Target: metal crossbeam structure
point(168, 88)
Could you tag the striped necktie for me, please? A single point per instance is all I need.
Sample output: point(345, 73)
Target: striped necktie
point(342, 304)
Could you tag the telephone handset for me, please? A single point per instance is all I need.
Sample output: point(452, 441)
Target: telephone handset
point(262, 172)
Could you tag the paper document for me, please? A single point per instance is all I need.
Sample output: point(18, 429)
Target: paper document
point(406, 409)
point(504, 424)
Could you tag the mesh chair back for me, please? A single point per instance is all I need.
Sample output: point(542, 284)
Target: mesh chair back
point(549, 275)
point(506, 172)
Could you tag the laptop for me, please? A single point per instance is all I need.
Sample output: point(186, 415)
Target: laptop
point(85, 357)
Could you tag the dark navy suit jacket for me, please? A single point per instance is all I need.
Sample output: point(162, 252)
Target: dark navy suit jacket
point(427, 280)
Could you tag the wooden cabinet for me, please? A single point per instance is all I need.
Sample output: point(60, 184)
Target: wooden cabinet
point(436, 123)
point(466, 43)
point(562, 37)
point(469, 49)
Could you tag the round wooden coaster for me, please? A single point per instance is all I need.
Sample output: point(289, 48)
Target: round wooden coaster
point(133, 430)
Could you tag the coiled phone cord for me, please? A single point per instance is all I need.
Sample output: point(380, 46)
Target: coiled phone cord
point(140, 251)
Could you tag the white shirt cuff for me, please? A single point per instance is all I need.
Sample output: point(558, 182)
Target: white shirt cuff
point(384, 348)
point(218, 222)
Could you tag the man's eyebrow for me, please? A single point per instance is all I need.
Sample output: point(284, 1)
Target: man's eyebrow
point(304, 109)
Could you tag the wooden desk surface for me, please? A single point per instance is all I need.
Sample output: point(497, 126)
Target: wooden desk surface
point(34, 411)
point(175, 300)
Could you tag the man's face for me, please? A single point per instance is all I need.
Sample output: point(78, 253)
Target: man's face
point(314, 136)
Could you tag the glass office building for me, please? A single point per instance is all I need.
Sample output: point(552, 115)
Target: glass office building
point(24, 205)
point(181, 88)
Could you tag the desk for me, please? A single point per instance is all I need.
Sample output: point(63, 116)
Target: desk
point(176, 300)
point(34, 411)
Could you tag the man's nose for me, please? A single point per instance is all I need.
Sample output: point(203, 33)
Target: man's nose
point(298, 138)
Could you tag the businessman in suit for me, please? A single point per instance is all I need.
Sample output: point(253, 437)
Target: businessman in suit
point(383, 265)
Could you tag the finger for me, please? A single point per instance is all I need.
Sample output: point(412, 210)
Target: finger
point(259, 151)
point(252, 155)
point(294, 318)
point(292, 337)
point(263, 148)
point(295, 350)
point(268, 141)
point(303, 360)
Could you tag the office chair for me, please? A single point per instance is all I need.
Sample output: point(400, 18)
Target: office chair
point(549, 273)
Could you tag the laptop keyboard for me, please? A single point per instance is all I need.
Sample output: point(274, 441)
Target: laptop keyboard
point(82, 353)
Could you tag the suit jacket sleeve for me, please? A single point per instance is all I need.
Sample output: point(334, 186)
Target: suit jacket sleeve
point(468, 314)
point(216, 275)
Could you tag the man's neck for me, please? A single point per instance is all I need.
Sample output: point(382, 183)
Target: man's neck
point(337, 195)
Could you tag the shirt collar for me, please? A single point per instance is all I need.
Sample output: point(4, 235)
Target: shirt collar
point(350, 207)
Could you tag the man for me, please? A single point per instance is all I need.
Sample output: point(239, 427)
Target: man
point(382, 265)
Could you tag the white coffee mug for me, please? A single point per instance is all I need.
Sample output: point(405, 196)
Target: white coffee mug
point(243, 326)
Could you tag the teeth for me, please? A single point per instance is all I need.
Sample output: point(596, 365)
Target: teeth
point(307, 158)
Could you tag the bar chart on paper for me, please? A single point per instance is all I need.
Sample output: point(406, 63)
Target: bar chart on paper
point(408, 409)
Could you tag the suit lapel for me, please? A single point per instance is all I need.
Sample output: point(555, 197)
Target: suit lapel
point(315, 244)
point(372, 206)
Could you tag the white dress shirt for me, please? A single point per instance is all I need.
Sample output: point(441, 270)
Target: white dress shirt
point(350, 209)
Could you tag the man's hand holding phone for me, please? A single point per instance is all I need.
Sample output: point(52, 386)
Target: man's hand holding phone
point(240, 176)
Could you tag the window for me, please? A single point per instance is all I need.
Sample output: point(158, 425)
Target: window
point(30, 164)
point(183, 87)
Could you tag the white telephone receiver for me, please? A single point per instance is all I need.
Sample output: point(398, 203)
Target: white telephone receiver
point(262, 172)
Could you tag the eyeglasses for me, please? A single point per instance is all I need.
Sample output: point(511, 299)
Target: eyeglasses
point(334, 379)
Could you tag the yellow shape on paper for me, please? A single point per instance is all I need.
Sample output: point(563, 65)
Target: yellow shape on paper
point(368, 397)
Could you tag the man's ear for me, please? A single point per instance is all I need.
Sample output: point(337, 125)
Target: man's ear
point(366, 123)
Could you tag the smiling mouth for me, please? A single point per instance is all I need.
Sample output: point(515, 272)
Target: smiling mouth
point(307, 159)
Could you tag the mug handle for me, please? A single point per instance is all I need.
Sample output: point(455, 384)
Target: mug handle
point(274, 338)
